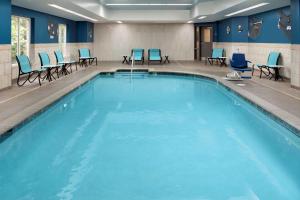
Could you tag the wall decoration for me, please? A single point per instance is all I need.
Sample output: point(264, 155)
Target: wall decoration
point(90, 33)
point(52, 30)
point(240, 28)
point(255, 25)
point(228, 30)
point(285, 23)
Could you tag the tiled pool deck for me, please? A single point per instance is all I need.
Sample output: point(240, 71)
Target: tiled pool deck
point(19, 103)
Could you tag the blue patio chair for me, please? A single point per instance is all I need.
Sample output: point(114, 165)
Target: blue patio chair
point(239, 64)
point(217, 55)
point(25, 68)
point(65, 64)
point(272, 64)
point(85, 57)
point(137, 55)
point(154, 55)
point(46, 64)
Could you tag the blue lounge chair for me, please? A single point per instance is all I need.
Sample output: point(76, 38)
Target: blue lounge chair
point(85, 57)
point(25, 68)
point(217, 55)
point(272, 64)
point(137, 55)
point(65, 64)
point(239, 65)
point(46, 64)
point(154, 55)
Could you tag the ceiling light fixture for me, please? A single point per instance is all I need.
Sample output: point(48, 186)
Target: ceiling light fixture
point(202, 17)
point(149, 4)
point(189, 22)
point(72, 12)
point(119, 22)
point(247, 9)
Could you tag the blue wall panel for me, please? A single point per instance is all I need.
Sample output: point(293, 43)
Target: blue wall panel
point(39, 21)
point(222, 30)
point(5, 28)
point(295, 9)
point(239, 36)
point(85, 32)
point(270, 33)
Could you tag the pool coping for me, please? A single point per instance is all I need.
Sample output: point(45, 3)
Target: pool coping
point(286, 119)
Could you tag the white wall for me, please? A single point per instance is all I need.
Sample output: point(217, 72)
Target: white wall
point(112, 41)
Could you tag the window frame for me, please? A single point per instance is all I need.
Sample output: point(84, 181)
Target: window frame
point(28, 36)
point(62, 45)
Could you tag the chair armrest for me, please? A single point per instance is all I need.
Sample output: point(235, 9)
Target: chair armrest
point(248, 61)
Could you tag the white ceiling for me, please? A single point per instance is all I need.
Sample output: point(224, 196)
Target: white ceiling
point(97, 9)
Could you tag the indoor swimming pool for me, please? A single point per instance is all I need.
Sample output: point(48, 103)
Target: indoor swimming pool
point(150, 136)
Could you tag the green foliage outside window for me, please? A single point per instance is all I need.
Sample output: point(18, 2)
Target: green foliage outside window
point(20, 37)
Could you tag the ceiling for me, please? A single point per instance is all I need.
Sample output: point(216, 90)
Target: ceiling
point(147, 12)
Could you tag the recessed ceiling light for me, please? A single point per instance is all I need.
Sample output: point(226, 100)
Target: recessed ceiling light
point(119, 22)
point(72, 12)
point(202, 17)
point(149, 4)
point(247, 9)
point(189, 22)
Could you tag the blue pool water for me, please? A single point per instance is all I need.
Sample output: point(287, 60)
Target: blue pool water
point(150, 137)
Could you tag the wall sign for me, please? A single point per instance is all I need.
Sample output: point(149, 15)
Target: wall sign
point(240, 28)
point(255, 25)
point(285, 23)
point(52, 30)
point(228, 30)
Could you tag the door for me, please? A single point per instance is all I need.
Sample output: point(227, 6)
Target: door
point(206, 42)
point(197, 43)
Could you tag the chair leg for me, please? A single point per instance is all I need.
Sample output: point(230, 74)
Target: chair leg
point(260, 72)
point(39, 78)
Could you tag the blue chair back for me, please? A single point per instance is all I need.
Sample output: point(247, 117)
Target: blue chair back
point(154, 53)
point(44, 58)
point(59, 56)
point(217, 52)
point(273, 58)
point(138, 54)
point(84, 53)
point(24, 64)
point(239, 61)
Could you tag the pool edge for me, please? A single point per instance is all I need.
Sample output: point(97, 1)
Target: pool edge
point(282, 117)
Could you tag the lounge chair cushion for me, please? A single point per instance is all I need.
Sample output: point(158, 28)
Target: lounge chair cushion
point(154, 54)
point(59, 56)
point(24, 64)
point(155, 58)
point(138, 54)
point(273, 58)
point(217, 53)
point(45, 60)
point(84, 53)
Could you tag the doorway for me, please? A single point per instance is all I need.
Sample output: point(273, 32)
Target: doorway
point(203, 42)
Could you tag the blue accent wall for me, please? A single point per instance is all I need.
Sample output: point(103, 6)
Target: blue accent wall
point(270, 33)
point(85, 32)
point(39, 25)
point(222, 31)
point(242, 34)
point(5, 28)
point(295, 9)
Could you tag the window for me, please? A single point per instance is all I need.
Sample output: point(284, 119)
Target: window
point(20, 37)
point(62, 36)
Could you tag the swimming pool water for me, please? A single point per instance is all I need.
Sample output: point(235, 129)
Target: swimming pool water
point(150, 137)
